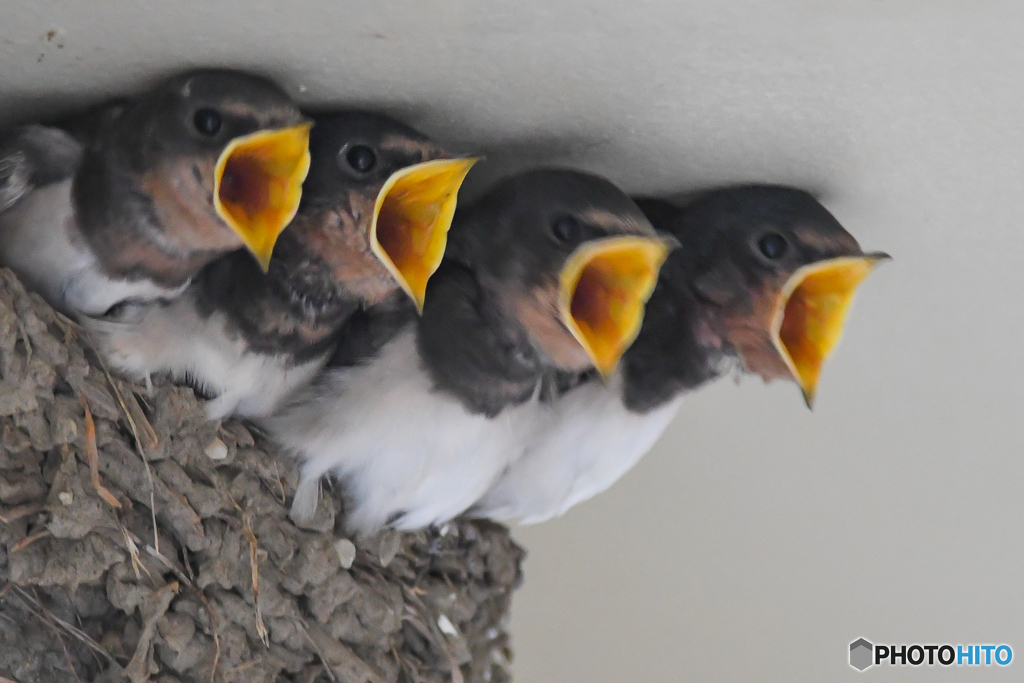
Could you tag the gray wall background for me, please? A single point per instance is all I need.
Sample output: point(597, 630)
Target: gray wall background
point(758, 539)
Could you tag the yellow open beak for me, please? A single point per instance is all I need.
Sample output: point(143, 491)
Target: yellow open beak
point(604, 287)
point(411, 218)
point(812, 309)
point(258, 184)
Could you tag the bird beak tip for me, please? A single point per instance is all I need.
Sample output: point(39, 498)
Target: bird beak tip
point(809, 399)
point(260, 251)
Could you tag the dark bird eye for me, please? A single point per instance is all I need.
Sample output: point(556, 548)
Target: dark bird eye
point(566, 229)
point(773, 245)
point(361, 158)
point(207, 122)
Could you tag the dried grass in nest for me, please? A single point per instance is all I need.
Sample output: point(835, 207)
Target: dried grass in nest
point(140, 541)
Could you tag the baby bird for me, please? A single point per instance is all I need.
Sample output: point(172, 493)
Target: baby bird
point(375, 212)
point(764, 274)
point(134, 203)
point(546, 274)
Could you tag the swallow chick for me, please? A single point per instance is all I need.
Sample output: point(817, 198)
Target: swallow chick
point(764, 275)
point(374, 218)
point(132, 205)
point(546, 273)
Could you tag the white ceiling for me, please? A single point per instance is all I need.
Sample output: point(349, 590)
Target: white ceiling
point(758, 539)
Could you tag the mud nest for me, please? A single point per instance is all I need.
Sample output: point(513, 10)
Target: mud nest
point(140, 541)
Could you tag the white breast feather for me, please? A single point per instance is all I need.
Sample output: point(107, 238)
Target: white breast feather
point(590, 441)
point(172, 338)
point(39, 240)
point(402, 449)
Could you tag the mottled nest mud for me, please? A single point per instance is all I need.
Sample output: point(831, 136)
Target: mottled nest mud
point(140, 541)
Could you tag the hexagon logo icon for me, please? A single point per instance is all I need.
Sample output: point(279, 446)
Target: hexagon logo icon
point(861, 652)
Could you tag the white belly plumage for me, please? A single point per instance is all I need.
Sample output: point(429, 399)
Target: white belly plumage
point(589, 440)
point(409, 455)
point(39, 241)
point(172, 338)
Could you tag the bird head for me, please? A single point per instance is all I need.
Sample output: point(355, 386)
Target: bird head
point(778, 272)
point(377, 206)
point(571, 256)
point(223, 155)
